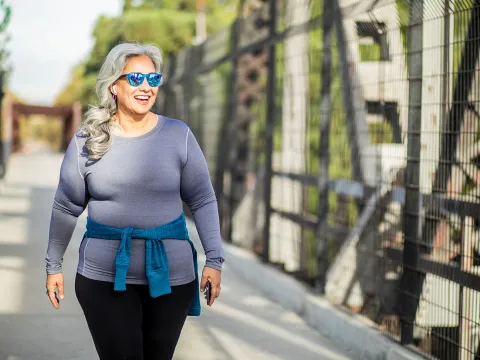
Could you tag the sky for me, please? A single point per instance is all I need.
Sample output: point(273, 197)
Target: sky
point(48, 38)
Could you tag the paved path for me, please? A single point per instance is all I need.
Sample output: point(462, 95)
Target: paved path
point(241, 325)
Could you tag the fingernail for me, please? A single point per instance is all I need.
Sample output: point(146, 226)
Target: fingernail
point(61, 297)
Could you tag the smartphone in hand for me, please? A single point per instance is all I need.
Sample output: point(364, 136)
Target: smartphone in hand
point(208, 292)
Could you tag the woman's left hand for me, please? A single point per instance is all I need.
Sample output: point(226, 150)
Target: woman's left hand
point(214, 277)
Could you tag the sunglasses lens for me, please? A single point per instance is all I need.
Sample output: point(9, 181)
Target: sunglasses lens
point(135, 79)
point(154, 79)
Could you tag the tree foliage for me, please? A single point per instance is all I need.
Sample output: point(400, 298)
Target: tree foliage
point(5, 15)
point(7, 12)
point(169, 24)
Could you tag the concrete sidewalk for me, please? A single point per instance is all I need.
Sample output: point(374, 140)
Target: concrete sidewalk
point(242, 324)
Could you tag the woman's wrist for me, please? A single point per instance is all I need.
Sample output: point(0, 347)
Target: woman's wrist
point(54, 271)
point(214, 264)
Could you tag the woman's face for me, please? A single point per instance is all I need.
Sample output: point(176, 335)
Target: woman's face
point(137, 100)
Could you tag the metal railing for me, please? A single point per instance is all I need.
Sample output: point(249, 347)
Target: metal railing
point(343, 142)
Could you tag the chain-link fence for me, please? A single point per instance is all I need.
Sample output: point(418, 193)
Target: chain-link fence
point(343, 141)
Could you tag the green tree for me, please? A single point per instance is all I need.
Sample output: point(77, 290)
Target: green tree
point(168, 24)
point(5, 15)
point(7, 12)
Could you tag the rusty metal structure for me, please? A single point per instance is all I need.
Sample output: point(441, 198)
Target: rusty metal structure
point(10, 141)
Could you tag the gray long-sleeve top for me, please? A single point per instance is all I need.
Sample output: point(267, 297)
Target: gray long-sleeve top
point(140, 182)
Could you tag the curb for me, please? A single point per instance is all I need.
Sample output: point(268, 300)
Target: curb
point(350, 332)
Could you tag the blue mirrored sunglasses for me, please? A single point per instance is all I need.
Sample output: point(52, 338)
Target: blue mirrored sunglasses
point(136, 78)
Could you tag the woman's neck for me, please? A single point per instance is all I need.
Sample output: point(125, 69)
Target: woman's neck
point(133, 125)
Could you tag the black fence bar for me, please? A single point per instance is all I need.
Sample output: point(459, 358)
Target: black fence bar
point(232, 126)
point(357, 139)
point(323, 159)
point(270, 90)
point(310, 222)
point(412, 280)
point(305, 179)
point(461, 293)
point(441, 203)
point(358, 190)
point(425, 265)
point(351, 188)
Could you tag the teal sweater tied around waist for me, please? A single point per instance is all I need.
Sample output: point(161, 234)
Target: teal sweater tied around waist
point(156, 261)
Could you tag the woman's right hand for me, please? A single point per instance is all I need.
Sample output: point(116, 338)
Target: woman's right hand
point(55, 281)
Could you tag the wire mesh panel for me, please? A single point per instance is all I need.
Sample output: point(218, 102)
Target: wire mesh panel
point(342, 137)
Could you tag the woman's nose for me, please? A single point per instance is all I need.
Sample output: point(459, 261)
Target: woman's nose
point(144, 86)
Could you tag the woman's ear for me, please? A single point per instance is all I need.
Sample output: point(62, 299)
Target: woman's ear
point(114, 90)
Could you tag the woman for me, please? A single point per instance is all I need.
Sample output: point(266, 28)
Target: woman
point(136, 278)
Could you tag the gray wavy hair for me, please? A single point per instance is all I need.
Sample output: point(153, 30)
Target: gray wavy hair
point(98, 125)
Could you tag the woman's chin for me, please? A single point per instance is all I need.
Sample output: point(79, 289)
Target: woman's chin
point(141, 110)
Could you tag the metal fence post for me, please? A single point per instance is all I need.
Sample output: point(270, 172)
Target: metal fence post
point(187, 91)
point(357, 128)
point(270, 91)
point(167, 99)
point(224, 142)
point(232, 118)
point(411, 281)
point(324, 154)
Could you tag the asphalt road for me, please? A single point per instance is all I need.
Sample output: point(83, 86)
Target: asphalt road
point(241, 325)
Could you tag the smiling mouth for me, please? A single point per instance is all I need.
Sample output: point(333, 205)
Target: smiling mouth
point(142, 99)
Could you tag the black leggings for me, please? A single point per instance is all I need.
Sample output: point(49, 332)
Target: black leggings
point(131, 325)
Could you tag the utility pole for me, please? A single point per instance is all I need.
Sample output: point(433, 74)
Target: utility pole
point(200, 21)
